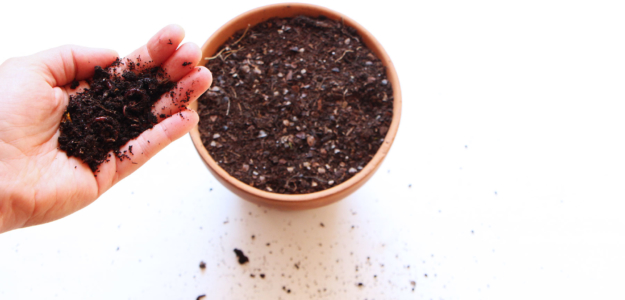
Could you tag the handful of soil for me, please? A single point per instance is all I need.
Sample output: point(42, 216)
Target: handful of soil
point(116, 108)
point(298, 105)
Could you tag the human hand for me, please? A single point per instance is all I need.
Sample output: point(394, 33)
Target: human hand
point(38, 182)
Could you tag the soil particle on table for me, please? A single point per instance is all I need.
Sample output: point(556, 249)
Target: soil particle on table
point(200, 297)
point(202, 265)
point(116, 108)
point(298, 105)
point(241, 256)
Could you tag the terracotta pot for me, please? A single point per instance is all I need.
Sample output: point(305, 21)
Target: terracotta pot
point(321, 198)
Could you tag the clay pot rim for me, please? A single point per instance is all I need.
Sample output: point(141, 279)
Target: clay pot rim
point(372, 44)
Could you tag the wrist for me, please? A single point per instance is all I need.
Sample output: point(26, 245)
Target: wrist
point(4, 201)
point(8, 200)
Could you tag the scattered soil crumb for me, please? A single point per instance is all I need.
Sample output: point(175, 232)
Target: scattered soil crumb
point(241, 257)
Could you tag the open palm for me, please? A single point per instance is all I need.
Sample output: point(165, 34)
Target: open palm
point(38, 182)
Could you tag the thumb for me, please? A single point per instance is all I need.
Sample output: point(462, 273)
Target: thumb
point(62, 65)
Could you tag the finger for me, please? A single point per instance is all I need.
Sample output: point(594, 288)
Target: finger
point(182, 61)
point(62, 65)
point(72, 89)
point(159, 48)
point(145, 147)
point(189, 88)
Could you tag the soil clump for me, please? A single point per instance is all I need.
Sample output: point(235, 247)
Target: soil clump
point(115, 108)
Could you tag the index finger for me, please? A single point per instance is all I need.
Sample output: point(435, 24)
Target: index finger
point(160, 47)
point(157, 50)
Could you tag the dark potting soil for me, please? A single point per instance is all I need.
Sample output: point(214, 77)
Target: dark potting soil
point(298, 105)
point(116, 108)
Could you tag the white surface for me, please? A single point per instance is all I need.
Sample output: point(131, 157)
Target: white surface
point(505, 180)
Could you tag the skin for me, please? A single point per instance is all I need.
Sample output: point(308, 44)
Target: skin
point(38, 182)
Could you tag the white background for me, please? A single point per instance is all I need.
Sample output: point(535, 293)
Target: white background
point(506, 179)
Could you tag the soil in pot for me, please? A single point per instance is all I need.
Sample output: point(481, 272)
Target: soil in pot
point(116, 108)
point(298, 105)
